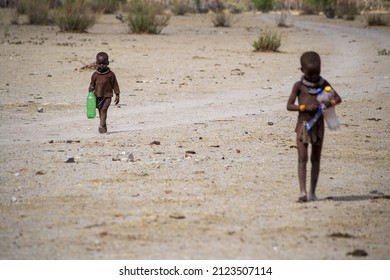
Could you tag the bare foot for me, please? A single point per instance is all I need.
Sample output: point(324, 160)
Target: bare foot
point(102, 129)
point(302, 198)
point(312, 197)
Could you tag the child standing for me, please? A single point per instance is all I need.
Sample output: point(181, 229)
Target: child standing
point(306, 91)
point(104, 83)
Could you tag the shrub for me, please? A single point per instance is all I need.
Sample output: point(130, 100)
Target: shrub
point(236, 7)
point(22, 7)
point(317, 6)
point(75, 16)
point(106, 6)
point(222, 19)
point(37, 11)
point(263, 5)
point(281, 20)
point(146, 17)
point(216, 6)
point(383, 52)
point(268, 41)
point(347, 11)
point(180, 7)
point(378, 19)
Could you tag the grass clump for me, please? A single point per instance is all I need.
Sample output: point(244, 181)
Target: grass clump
point(383, 52)
point(222, 19)
point(181, 7)
point(263, 5)
point(106, 6)
point(75, 16)
point(281, 20)
point(146, 17)
point(378, 19)
point(236, 7)
point(37, 11)
point(268, 41)
point(347, 11)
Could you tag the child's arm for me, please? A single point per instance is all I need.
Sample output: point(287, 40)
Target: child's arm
point(291, 106)
point(117, 91)
point(291, 100)
point(92, 83)
point(334, 100)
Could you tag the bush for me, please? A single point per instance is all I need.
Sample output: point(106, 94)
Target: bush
point(106, 6)
point(236, 7)
point(317, 6)
point(281, 20)
point(378, 19)
point(146, 17)
point(263, 5)
point(348, 11)
point(75, 16)
point(180, 7)
point(222, 19)
point(37, 11)
point(383, 52)
point(22, 7)
point(268, 41)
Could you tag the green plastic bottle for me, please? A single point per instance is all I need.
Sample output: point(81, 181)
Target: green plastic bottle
point(91, 105)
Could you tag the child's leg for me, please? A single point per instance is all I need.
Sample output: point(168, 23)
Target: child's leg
point(103, 114)
point(315, 169)
point(302, 162)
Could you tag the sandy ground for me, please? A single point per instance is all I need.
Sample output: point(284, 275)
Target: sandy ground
point(200, 158)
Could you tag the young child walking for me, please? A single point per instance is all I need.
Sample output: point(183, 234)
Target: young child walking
point(306, 91)
point(104, 84)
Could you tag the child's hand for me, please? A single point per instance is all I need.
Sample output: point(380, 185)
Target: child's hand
point(116, 102)
point(312, 107)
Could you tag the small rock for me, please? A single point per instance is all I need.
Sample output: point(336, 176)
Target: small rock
point(358, 253)
point(270, 123)
point(70, 160)
point(237, 72)
point(69, 141)
point(155, 143)
point(378, 192)
point(177, 216)
point(13, 199)
point(40, 110)
point(374, 119)
point(189, 154)
point(341, 235)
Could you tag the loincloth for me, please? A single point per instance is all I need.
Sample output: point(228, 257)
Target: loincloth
point(314, 136)
point(103, 102)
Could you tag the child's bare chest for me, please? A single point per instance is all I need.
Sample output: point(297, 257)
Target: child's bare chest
point(305, 97)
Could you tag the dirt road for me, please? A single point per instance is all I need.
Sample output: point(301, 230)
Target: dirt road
point(200, 158)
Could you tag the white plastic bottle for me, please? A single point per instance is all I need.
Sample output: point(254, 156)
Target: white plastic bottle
point(329, 113)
